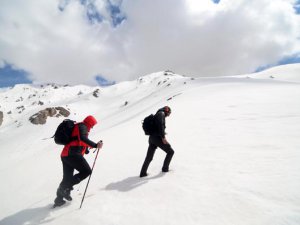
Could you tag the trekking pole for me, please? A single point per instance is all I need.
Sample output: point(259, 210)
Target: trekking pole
point(89, 178)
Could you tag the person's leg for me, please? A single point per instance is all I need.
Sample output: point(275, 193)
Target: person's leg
point(168, 158)
point(63, 189)
point(148, 159)
point(68, 171)
point(70, 163)
point(167, 149)
point(83, 168)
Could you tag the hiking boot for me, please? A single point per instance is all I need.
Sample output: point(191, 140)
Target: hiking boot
point(65, 193)
point(165, 170)
point(143, 174)
point(59, 201)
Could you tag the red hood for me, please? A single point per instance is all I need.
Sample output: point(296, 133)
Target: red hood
point(90, 121)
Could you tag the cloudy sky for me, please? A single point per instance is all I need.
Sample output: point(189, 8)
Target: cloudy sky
point(83, 41)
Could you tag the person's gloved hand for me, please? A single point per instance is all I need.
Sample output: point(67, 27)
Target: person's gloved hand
point(164, 140)
point(87, 151)
point(100, 144)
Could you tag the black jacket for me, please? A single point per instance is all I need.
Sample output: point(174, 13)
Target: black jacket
point(83, 134)
point(160, 123)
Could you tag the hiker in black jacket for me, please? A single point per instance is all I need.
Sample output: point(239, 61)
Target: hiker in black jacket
point(158, 139)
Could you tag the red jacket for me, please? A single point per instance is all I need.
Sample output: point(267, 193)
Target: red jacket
point(81, 141)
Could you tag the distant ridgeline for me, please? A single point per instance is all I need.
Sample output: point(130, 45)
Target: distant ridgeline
point(23, 98)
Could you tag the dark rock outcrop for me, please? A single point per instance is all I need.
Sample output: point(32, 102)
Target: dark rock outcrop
point(62, 112)
point(41, 116)
point(96, 93)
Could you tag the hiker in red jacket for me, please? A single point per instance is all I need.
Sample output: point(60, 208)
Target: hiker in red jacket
point(72, 159)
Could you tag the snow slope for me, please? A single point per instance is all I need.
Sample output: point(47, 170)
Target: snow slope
point(236, 162)
point(289, 73)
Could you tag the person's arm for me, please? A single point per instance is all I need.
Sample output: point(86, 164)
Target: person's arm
point(160, 122)
point(83, 135)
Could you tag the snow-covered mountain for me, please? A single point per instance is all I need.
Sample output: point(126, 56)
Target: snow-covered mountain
point(236, 142)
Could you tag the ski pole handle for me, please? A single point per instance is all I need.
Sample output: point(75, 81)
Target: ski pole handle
point(100, 142)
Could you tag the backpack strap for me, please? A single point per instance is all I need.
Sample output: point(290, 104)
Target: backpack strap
point(78, 133)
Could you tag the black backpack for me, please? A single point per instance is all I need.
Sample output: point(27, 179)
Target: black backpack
point(149, 125)
point(63, 133)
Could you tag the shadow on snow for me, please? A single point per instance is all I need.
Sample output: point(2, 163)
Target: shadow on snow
point(130, 183)
point(33, 216)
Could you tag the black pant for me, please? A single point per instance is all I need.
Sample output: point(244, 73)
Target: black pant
point(70, 163)
point(154, 142)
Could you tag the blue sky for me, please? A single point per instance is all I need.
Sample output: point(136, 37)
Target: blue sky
point(10, 76)
point(123, 39)
point(297, 6)
point(283, 61)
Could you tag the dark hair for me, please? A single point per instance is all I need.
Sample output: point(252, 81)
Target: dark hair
point(167, 109)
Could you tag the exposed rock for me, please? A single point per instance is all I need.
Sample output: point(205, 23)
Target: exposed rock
point(62, 111)
point(168, 72)
point(1, 117)
point(31, 96)
point(20, 99)
point(96, 93)
point(173, 96)
point(41, 116)
point(20, 108)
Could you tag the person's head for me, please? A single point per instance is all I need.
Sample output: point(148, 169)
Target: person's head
point(90, 122)
point(167, 110)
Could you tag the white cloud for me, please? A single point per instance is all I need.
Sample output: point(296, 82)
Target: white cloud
point(228, 38)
